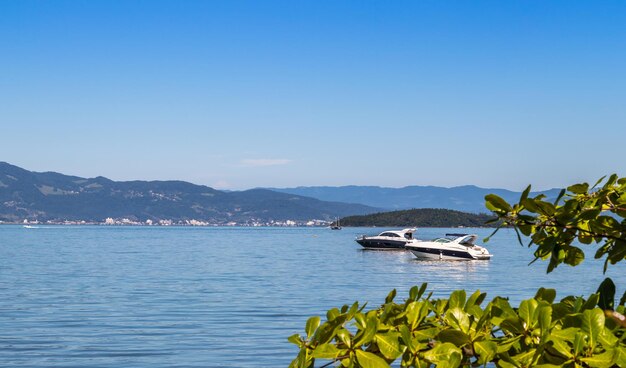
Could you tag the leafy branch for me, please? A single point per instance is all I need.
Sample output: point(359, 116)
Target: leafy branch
point(589, 215)
point(422, 331)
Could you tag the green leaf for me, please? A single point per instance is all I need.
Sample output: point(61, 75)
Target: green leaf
point(606, 337)
point(353, 310)
point(527, 310)
point(407, 338)
point(370, 360)
point(561, 347)
point(545, 320)
point(558, 198)
point(486, 351)
point(332, 314)
point(530, 204)
point(505, 364)
point(607, 294)
point(598, 182)
point(506, 345)
point(525, 358)
point(525, 194)
point(545, 208)
point(497, 204)
point(567, 334)
point(295, 339)
point(475, 299)
point(513, 325)
point(578, 188)
point(325, 332)
point(547, 295)
point(325, 351)
point(303, 360)
point(389, 345)
point(444, 355)
point(390, 296)
point(415, 293)
point(457, 299)
point(620, 360)
point(370, 331)
point(455, 337)
point(590, 214)
point(593, 324)
point(591, 302)
point(426, 335)
point(345, 337)
point(311, 325)
point(416, 312)
point(603, 360)
point(458, 319)
point(574, 256)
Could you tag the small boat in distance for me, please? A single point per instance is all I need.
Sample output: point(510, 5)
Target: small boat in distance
point(336, 225)
point(387, 240)
point(451, 247)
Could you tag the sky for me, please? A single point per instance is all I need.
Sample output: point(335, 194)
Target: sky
point(242, 94)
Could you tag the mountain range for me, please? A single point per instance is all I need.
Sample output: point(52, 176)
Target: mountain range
point(50, 196)
point(467, 198)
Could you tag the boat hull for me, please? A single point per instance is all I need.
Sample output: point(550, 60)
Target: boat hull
point(447, 254)
point(379, 244)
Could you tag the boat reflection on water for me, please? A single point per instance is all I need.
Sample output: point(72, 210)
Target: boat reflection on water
point(451, 269)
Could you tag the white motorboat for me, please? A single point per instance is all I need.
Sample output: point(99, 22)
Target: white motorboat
point(387, 240)
point(451, 247)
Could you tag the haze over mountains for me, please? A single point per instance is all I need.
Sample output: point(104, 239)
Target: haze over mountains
point(51, 196)
point(467, 198)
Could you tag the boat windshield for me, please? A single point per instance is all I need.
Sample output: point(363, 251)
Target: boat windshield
point(442, 240)
point(392, 235)
point(468, 240)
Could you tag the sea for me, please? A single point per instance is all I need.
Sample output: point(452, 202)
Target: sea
point(101, 296)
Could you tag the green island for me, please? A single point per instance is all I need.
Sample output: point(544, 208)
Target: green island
point(420, 217)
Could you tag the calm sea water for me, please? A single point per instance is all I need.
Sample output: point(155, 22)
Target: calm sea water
point(220, 297)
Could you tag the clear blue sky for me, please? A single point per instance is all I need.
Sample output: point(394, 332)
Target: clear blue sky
point(240, 94)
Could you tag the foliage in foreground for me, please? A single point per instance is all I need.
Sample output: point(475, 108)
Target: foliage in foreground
point(453, 332)
point(422, 331)
point(591, 215)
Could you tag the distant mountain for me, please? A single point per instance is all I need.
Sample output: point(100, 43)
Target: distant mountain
point(466, 198)
point(423, 217)
point(52, 196)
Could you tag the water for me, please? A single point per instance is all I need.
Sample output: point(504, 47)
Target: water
point(220, 297)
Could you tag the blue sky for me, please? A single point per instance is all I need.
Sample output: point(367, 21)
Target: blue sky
point(240, 94)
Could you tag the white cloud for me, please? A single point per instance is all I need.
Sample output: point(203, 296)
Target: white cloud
point(222, 184)
point(260, 162)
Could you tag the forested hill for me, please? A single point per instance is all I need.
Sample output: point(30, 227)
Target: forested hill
point(422, 217)
point(50, 196)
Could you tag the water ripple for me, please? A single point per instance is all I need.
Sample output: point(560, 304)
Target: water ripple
point(218, 297)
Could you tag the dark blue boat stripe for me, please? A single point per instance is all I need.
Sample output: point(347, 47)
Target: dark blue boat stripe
point(381, 244)
point(445, 252)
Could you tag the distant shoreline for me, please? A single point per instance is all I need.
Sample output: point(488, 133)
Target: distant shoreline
point(34, 226)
